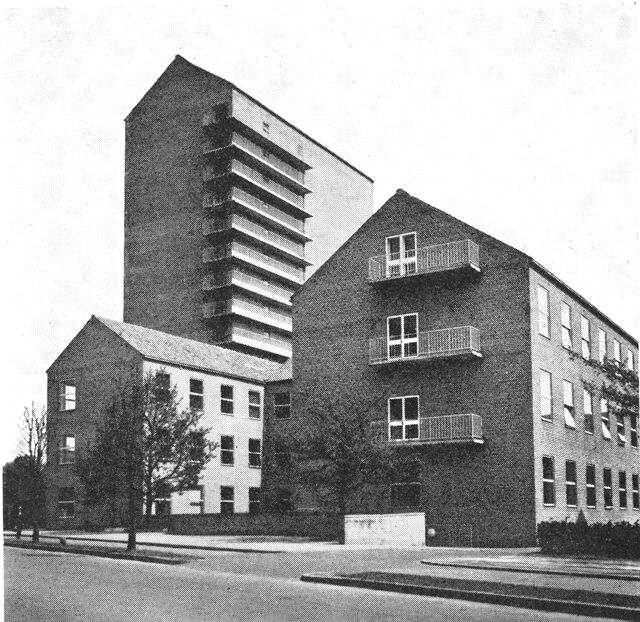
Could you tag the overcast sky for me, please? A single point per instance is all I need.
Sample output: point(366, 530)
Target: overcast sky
point(518, 120)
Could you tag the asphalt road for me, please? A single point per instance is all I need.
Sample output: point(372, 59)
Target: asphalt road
point(60, 587)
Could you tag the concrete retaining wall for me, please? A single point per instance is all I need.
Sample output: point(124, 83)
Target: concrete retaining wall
point(385, 529)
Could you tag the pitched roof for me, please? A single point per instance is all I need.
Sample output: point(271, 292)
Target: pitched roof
point(165, 348)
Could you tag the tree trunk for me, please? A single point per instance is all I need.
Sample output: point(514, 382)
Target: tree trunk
point(35, 538)
point(131, 542)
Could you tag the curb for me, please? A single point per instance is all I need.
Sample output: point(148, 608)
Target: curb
point(58, 548)
point(582, 575)
point(514, 600)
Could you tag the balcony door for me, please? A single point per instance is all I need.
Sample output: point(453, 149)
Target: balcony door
point(402, 336)
point(401, 255)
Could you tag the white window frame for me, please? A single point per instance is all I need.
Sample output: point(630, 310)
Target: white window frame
point(590, 485)
point(635, 491)
point(227, 451)
point(546, 395)
point(617, 351)
point(282, 407)
point(568, 404)
point(255, 503)
point(67, 396)
point(66, 450)
point(565, 321)
point(546, 480)
point(544, 317)
point(633, 430)
point(622, 490)
point(253, 405)
point(403, 423)
point(231, 501)
point(406, 261)
point(255, 455)
point(602, 345)
point(605, 419)
point(587, 400)
point(609, 488)
point(571, 483)
point(620, 429)
point(63, 506)
point(195, 393)
point(404, 340)
point(226, 400)
point(585, 337)
point(630, 361)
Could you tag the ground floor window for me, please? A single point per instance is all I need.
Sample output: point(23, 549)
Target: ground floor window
point(283, 500)
point(255, 455)
point(226, 499)
point(66, 502)
point(635, 492)
point(254, 500)
point(571, 484)
point(548, 481)
point(622, 489)
point(608, 492)
point(196, 500)
point(591, 485)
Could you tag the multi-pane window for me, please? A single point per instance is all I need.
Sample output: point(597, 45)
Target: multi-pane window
point(255, 404)
point(66, 502)
point(546, 402)
point(571, 484)
point(569, 416)
point(606, 487)
point(585, 337)
point(405, 490)
point(590, 479)
point(617, 351)
point(67, 450)
point(282, 455)
point(548, 481)
point(620, 427)
point(404, 422)
point(602, 345)
point(255, 452)
point(544, 320)
point(402, 336)
point(587, 399)
point(196, 394)
point(401, 254)
point(67, 397)
point(633, 430)
point(226, 450)
point(226, 499)
point(196, 499)
point(226, 399)
point(604, 416)
point(622, 489)
point(254, 500)
point(635, 491)
point(565, 317)
point(282, 405)
point(630, 364)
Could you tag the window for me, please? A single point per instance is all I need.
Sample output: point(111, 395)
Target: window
point(548, 482)
point(622, 489)
point(196, 499)
point(635, 492)
point(633, 426)
point(405, 490)
point(226, 399)
point(255, 455)
point(66, 503)
point(255, 405)
point(546, 403)
point(283, 501)
point(591, 485)
point(630, 364)
point(585, 331)
point(265, 127)
point(403, 418)
point(544, 321)
point(604, 416)
point(571, 484)
point(226, 450)
point(620, 426)
point(602, 345)
point(282, 405)
point(281, 455)
point(226, 499)
point(401, 254)
point(588, 411)
point(565, 315)
point(606, 485)
point(617, 352)
point(162, 387)
point(196, 394)
point(402, 336)
point(569, 417)
point(254, 500)
point(67, 396)
point(67, 450)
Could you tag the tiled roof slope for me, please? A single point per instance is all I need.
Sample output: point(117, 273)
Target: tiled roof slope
point(284, 372)
point(164, 348)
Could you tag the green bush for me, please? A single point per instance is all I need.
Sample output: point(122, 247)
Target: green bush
point(620, 540)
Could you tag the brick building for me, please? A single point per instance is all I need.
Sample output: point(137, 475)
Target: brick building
point(465, 344)
point(226, 205)
point(227, 386)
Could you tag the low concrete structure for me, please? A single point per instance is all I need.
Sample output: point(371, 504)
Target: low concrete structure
point(385, 529)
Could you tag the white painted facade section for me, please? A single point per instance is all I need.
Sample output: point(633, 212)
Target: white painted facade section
point(238, 425)
point(385, 529)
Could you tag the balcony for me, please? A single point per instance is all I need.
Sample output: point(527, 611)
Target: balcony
point(460, 255)
point(258, 341)
point(438, 430)
point(458, 342)
point(249, 283)
point(256, 259)
point(248, 309)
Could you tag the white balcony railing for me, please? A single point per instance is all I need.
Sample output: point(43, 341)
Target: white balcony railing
point(249, 309)
point(266, 183)
point(249, 283)
point(441, 429)
point(436, 258)
point(259, 341)
point(430, 344)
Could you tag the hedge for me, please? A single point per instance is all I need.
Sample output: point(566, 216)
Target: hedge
point(620, 540)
